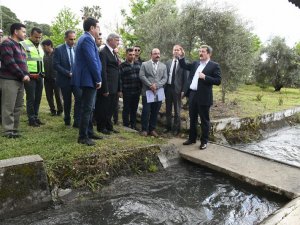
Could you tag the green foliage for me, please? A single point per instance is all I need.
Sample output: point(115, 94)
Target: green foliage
point(94, 11)
point(156, 31)
point(44, 27)
point(8, 18)
point(137, 9)
point(277, 65)
point(65, 20)
point(234, 45)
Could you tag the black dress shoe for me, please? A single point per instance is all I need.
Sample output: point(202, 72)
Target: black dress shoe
point(12, 135)
point(33, 123)
point(39, 122)
point(95, 137)
point(114, 131)
point(167, 130)
point(189, 142)
point(105, 131)
point(59, 113)
point(203, 146)
point(86, 141)
point(176, 132)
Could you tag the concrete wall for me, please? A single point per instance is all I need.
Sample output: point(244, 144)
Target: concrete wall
point(23, 186)
point(236, 123)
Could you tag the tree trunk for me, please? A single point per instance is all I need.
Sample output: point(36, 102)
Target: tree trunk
point(223, 94)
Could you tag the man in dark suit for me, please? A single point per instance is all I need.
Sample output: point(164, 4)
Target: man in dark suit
point(203, 74)
point(108, 94)
point(87, 76)
point(51, 87)
point(174, 90)
point(63, 62)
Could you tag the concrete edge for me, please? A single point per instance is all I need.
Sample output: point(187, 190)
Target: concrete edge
point(257, 155)
point(287, 215)
point(20, 160)
point(248, 180)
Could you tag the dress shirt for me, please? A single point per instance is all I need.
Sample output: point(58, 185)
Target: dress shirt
point(194, 84)
point(111, 50)
point(171, 70)
point(154, 64)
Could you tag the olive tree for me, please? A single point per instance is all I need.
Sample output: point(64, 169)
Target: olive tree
point(277, 65)
point(227, 34)
point(156, 28)
point(94, 11)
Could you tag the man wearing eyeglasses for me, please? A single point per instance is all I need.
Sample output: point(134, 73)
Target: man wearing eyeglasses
point(63, 62)
point(137, 51)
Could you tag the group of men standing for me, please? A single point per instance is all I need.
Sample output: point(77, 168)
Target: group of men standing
point(97, 80)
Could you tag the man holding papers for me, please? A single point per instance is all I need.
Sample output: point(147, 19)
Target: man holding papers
point(153, 75)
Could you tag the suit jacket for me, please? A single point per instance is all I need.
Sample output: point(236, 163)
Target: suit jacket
point(110, 75)
point(213, 77)
point(62, 65)
point(87, 66)
point(148, 77)
point(180, 77)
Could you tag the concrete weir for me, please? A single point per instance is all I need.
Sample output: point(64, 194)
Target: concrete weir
point(23, 186)
point(264, 173)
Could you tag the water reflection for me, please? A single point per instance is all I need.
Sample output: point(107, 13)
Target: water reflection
point(184, 194)
point(282, 145)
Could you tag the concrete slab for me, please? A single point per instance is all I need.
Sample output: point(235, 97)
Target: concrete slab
point(265, 173)
point(287, 215)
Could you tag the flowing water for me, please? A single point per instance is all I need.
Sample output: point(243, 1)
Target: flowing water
point(182, 194)
point(282, 145)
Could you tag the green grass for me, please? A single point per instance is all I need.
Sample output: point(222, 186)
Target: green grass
point(244, 101)
point(57, 144)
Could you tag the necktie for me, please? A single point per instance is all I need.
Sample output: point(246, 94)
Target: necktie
point(116, 57)
point(173, 73)
point(154, 67)
point(71, 57)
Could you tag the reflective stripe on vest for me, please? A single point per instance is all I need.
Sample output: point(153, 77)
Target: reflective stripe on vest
point(34, 57)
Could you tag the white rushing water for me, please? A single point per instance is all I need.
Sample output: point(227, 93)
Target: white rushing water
point(282, 145)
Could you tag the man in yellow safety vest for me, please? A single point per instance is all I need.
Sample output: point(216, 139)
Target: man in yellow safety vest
point(34, 88)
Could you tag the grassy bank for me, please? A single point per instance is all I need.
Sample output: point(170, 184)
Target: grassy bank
point(69, 163)
point(252, 101)
point(72, 164)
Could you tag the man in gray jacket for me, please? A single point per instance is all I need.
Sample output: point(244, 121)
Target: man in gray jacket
point(153, 75)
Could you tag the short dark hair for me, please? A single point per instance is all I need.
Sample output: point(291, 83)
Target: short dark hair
point(36, 29)
point(47, 43)
point(16, 26)
point(88, 22)
point(69, 32)
point(129, 50)
point(208, 48)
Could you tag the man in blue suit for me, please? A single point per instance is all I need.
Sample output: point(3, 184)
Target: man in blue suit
point(63, 62)
point(87, 76)
point(203, 75)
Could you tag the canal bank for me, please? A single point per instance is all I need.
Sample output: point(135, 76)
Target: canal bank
point(97, 170)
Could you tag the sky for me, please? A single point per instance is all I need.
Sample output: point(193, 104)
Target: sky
point(267, 18)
